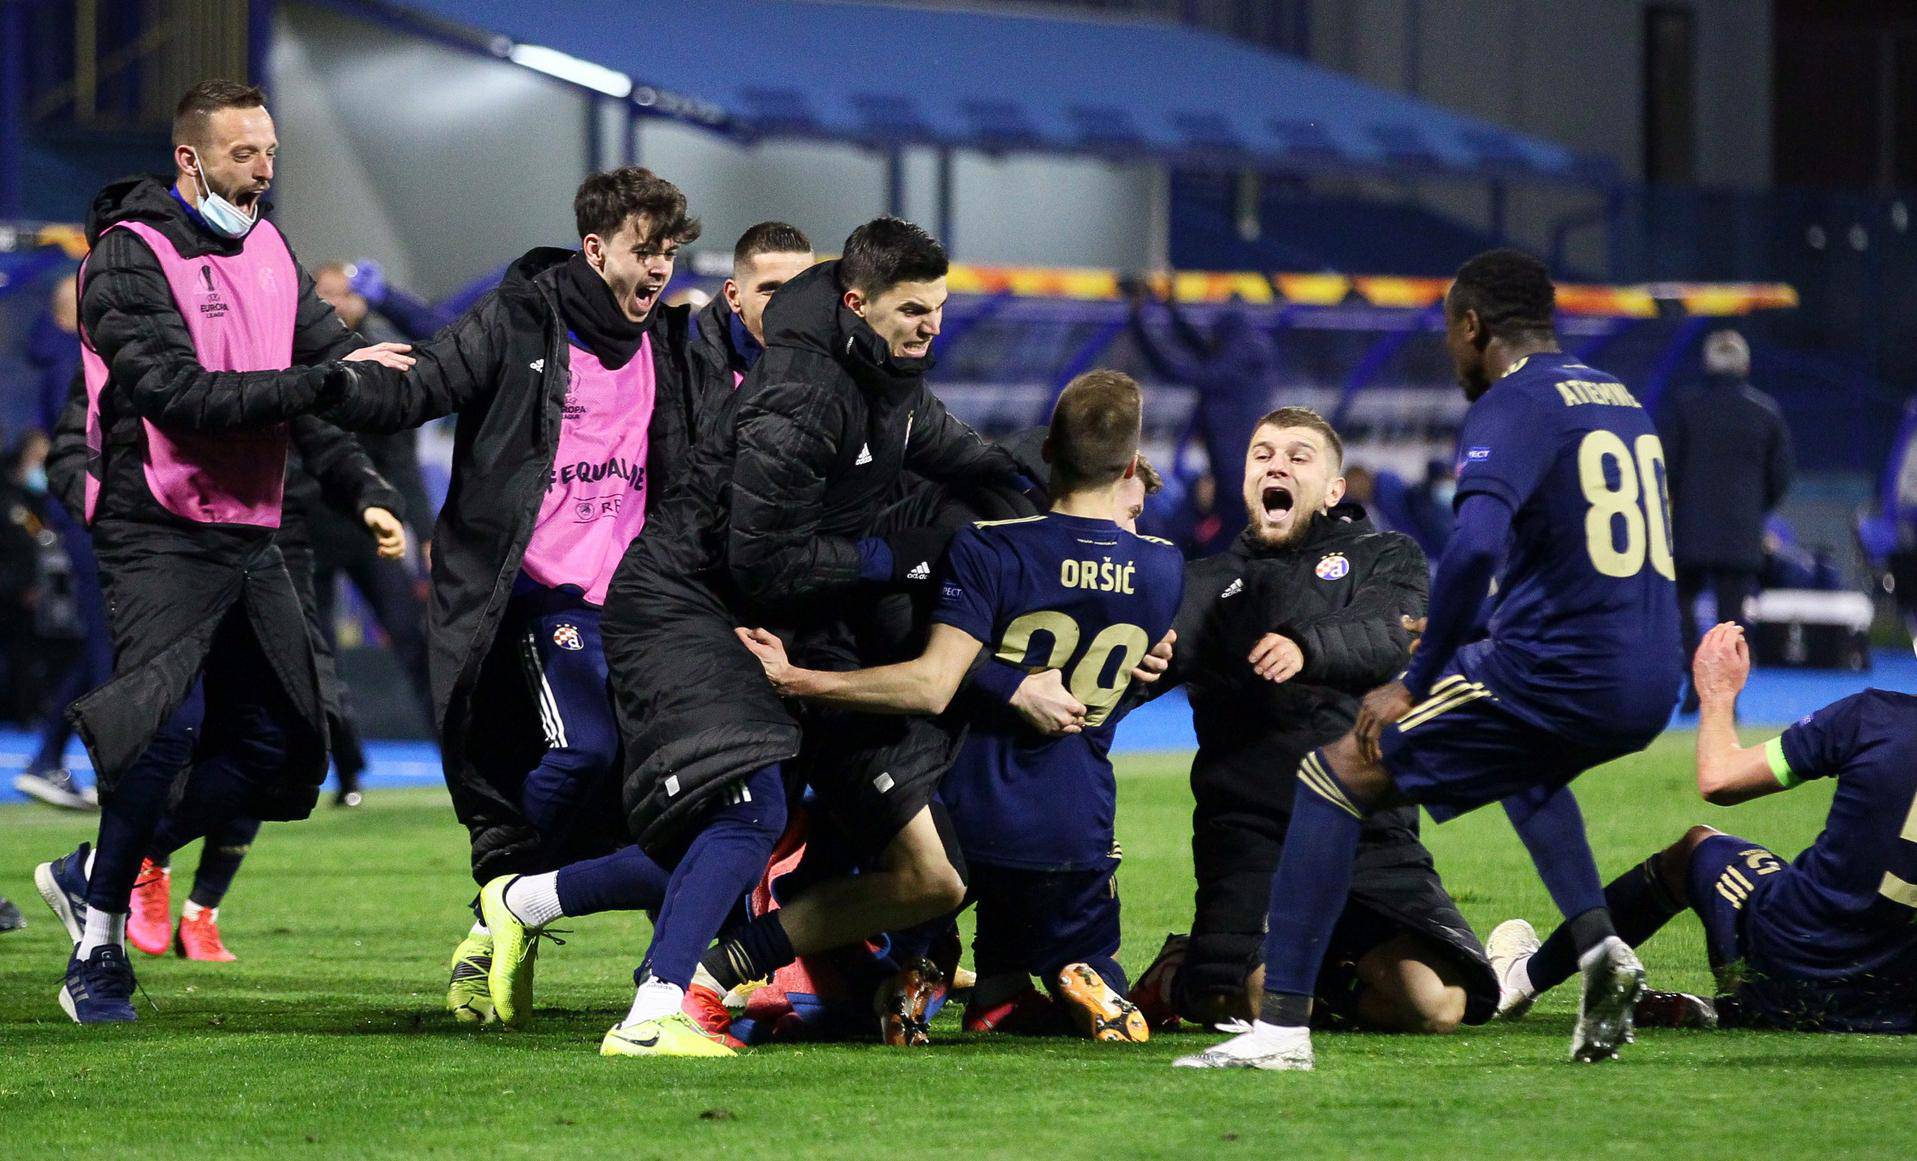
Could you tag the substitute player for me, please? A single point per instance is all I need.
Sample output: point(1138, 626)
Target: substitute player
point(201, 339)
point(729, 332)
point(577, 408)
point(1561, 477)
point(1069, 591)
point(1825, 943)
point(781, 521)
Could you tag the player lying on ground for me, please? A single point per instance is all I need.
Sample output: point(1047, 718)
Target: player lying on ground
point(1278, 638)
point(1068, 591)
point(1825, 943)
point(1560, 478)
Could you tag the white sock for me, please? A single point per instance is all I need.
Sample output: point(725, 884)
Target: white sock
point(480, 930)
point(655, 1000)
point(1277, 1031)
point(103, 927)
point(701, 978)
point(534, 899)
point(192, 910)
point(90, 853)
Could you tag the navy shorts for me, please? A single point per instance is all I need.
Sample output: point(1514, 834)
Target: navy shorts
point(1462, 748)
point(571, 797)
point(1037, 922)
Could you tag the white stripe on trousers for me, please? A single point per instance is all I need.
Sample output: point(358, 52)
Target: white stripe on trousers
point(549, 718)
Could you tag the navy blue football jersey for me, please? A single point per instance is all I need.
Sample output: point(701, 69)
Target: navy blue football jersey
point(1070, 593)
point(1584, 629)
point(1846, 912)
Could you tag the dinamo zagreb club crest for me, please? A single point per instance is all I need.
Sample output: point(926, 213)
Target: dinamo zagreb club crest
point(1333, 566)
point(567, 637)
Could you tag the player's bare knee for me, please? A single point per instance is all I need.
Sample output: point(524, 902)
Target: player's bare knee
point(1440, 1012)
point(1674, 861)
point(1365, 781)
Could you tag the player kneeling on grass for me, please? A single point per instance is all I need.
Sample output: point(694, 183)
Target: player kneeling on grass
point(1279, 636)
point(1561, 481)
point(1822, 944)
point(1073, 593)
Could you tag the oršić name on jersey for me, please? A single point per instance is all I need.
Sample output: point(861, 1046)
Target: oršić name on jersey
point(1102, 575)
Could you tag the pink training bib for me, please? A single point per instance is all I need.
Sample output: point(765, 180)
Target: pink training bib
point(240, 312)
point(596, 495)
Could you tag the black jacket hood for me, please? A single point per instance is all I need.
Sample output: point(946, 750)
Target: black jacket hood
point(809, 314)
point(148, 198)
point(527, 268)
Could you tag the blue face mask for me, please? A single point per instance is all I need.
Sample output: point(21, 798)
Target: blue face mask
point(220, 215)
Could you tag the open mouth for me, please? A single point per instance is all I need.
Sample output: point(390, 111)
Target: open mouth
point(643, 298)
point(246, 199)
point(1277, 502)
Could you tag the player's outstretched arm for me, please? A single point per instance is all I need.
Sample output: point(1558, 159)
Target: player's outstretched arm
point(1727, 773)
point(923, 685)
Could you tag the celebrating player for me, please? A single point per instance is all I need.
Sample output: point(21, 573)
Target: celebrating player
point(1825, 943)
point(1561, 477)
point(1278, 638)
point(1068, 591)
point(577, 406)
point(781, 523)
point(201, 339)
point(730, 330)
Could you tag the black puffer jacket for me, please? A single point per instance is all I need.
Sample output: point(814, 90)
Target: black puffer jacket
point(812, 454)
point(169, 582)
point(503, 366)
point(821, 431)
point(1338, 594)
point(719, 365)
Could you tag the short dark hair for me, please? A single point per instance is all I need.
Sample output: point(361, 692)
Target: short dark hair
point(1306, 418)
point(887, 251)
point(1510, 290)
point(207, 98)
point(770, 238)
point(1094, 433)
point(606, 200)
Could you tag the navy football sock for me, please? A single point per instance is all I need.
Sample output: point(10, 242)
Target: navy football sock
point(220, 860)
point(1308, 891)
point(753, 952)
point(727, 857)
point(625, 880)
point(915, 943)
point(1553, 831)
point(1638, 904)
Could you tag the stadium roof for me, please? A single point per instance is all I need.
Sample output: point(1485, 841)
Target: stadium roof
point(998, 82)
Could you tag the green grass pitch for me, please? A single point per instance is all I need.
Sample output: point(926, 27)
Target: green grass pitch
point(329, 1036)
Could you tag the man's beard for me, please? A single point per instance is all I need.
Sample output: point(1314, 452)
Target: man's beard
point(1293, 535)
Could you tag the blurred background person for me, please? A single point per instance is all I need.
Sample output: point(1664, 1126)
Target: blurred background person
point(1728, 461)
point(392, 589)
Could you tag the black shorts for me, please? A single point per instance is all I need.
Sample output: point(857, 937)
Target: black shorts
point(1395, 889)
point(873, 773)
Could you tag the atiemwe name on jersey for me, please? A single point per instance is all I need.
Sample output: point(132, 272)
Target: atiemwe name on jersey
point(1576, 392)
point(1101, 575)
